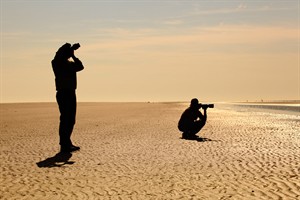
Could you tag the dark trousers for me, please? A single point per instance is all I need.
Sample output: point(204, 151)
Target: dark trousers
point(66, 100)
point(189, 131)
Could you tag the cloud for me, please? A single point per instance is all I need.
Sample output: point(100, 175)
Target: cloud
point(118, 39)
point(15, 35)
point(173, 22)
point(242, 6)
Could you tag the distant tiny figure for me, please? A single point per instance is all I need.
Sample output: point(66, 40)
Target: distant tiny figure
point(192, 120)
point(66, 83)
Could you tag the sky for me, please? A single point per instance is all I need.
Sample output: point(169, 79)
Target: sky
point(153, 50)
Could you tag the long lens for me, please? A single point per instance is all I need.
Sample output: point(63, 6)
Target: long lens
point(75, 46)
point(207, 105)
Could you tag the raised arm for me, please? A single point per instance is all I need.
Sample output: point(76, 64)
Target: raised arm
point(77, 64)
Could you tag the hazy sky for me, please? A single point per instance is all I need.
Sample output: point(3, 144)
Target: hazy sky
point(153, 50)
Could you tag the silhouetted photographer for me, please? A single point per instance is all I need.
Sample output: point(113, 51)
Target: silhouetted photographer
point(65, 71)
point(192, 120)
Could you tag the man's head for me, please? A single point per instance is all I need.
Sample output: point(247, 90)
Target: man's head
point(64, 52)
point(195, 104)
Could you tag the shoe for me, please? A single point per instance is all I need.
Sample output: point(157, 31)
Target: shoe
point(189, 136)
point(69, 149)
point(185, 135)
point(74, 148)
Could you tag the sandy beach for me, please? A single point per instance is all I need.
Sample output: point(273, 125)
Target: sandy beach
point(135, 151)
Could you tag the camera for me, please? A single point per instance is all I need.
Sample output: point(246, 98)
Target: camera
point(75, 46)
point(205, 106)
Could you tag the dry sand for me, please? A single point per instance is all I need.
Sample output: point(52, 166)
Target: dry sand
point(134, 151)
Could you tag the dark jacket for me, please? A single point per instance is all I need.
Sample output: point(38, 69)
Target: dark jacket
point(188, 117)
point(65, 73)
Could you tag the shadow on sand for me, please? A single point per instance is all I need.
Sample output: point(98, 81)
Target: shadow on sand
point(198, 139)
point(58, 160)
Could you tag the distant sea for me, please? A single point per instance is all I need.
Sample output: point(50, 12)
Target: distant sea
point(281, 107)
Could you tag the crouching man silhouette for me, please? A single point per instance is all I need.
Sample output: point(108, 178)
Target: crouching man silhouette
point(192, 120)
point(66, 83)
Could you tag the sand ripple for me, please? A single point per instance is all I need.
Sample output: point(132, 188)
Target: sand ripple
point(134, 151)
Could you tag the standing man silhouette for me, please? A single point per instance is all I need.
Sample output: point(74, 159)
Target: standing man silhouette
point(66, 83)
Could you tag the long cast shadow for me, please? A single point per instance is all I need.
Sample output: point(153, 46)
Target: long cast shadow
point(59, 160)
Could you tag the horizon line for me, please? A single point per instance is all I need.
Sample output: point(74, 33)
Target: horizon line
point(173, 101)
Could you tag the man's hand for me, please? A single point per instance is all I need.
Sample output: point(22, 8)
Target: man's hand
point(73, 48)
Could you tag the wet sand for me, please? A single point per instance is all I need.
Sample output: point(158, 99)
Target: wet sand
point(134, 151)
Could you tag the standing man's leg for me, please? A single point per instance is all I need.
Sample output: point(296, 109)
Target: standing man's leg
point(72, 117)
point(72, 114)
point(62, 100)
point(67, 106)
